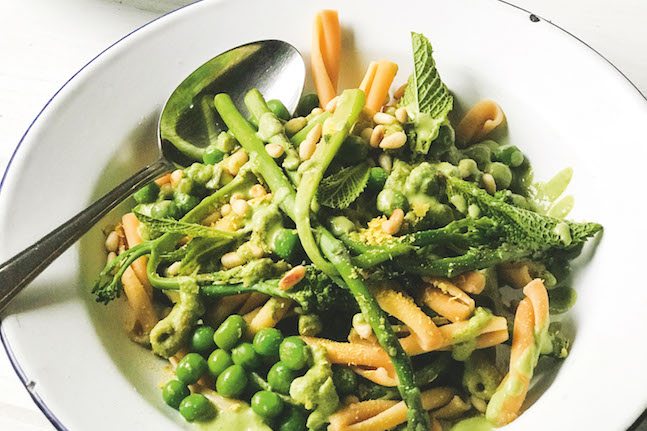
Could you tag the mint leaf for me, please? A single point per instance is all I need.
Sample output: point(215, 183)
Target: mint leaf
point(168, 225)
point(426, 99)
point(342, 188)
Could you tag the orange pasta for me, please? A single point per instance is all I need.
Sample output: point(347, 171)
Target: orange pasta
point(358, 412)
point(447, 299)
point(326, 52)
point(384, 75)
point(479, 121)
point(163, 180)
point(397, 414)
point(515, 274)
point(269, 315)
point(139, 301)
point(370, 355)
point(130, 224)
point(471, 282)
point(401, 306)
point(367, 82)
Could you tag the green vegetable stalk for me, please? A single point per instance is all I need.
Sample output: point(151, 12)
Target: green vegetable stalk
point(350, 105)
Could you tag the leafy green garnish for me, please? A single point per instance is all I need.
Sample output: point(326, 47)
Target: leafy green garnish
point(340, 189)
point(426, 98)
point(522, 227)
point(168, 225)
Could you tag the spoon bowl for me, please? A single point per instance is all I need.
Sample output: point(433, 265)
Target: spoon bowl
point(188, 124)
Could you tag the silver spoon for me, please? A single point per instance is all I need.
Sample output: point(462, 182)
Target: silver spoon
point(188, 123)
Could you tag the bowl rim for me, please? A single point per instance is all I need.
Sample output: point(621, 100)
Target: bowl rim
point(24, 379)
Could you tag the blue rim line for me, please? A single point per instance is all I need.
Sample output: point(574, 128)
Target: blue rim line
point(12, 359)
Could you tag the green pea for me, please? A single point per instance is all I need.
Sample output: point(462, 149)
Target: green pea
point(196, 407)
point(501, 173)
point(202, 339)
point(232, 381)
point(280, 378)
point(267, 404)
point(267, 342)
point(229, 332)
point(219, 361)
point(307, 103)
point(388, 200)
point(345, 380)
point(294, 420)
point(279, 109)
point(191, 368)
point(147, 194)
point(294, 353)
point(510, 155)
point(376, 179)
point(245, 355)
point(185, 202)
point(212, 155)
point(174, 392)
point(165, 209)
point(352, 150)
point(481, 153)
point(285, 243)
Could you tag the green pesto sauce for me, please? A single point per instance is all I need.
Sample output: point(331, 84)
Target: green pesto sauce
point(478, 423)
point(243, 419)
point(464, 341)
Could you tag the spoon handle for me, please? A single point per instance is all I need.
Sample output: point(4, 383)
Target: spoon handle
point(21, 269)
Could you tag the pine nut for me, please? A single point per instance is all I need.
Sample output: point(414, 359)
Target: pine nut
point(377, 135)
point(327, 128)
point(258, 191)
point(489, 183)
point(274, 150)
point(256, 251)
point(394, 223)
point(111, 256)
point(316, 111)
point(390, 110)
point(332, 105)
point(292, 277)
point(366, 134)
point(383, 118)
point(308, 146)
point(231, 260)
point(393, 141)
point(385, 161)
point(240, 207)
point(173, 269)
point(236, 161)
point(400, 91)
point(478, 403)
point(225, 210)
point(236, 196)
point(294, 125)
point(402, 115)
point(176, 176)
point(112, 241)
point(211, 218)
point(315, 134)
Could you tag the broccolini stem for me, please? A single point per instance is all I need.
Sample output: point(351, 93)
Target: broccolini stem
point(377, 318)
point(472, 260)
point(351, 103)
point(253, 145)
point(379, 254)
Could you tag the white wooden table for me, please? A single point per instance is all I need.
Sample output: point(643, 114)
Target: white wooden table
point(43, 42)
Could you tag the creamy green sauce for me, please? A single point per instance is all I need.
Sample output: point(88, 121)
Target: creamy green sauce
point(546, 195)
point(478, 423)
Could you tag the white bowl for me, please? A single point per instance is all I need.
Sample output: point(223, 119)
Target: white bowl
point(566, 106)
